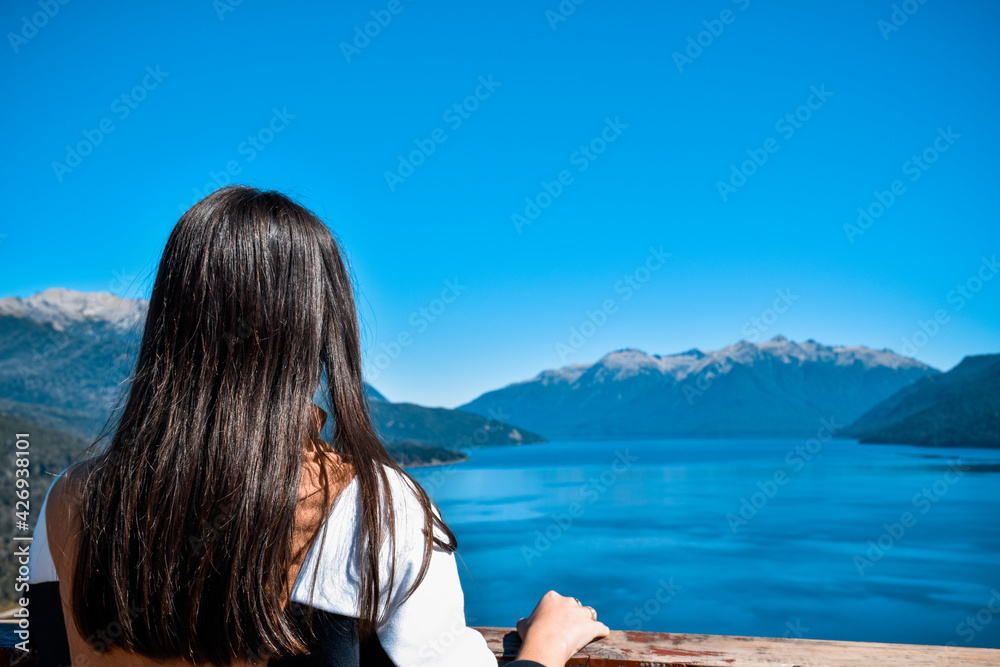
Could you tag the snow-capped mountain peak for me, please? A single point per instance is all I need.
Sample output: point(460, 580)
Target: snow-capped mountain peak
point(776, 387)
point(628, 362)
point(62, 308)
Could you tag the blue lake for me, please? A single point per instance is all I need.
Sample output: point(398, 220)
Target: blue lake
point(657, 541)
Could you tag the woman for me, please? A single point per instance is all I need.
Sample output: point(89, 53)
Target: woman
point(217, 526)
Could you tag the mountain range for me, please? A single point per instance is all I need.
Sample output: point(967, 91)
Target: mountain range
point(775, 388)
point(64, 355)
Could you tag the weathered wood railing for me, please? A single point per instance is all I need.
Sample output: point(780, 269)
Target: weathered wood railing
point(660, 649)
point(649, 649)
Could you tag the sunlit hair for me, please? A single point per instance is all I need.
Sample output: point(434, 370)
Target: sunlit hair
point(189, 513)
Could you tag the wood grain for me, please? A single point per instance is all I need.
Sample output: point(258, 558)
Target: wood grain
point(649, 649)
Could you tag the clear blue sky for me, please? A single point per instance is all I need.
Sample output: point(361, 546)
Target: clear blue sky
point(552, 90)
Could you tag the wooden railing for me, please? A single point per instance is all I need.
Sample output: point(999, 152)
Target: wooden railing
point(649, 649)
point(661, 649)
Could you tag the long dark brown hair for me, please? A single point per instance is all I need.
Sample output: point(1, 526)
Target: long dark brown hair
point(189, 513)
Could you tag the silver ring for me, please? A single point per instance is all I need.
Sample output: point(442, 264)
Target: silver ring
point(578, 601)
point(593, 613)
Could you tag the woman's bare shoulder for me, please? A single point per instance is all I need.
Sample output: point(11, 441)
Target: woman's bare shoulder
point(69, 486)
point(63, 504)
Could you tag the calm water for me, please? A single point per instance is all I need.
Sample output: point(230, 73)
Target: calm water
point(651, 548)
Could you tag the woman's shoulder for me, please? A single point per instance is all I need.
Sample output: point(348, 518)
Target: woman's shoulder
point(62, 509)
point(66, 492)
point(71, 481)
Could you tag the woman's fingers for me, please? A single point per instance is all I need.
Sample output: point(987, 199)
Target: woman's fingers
point(557, 628)
point(553, 606)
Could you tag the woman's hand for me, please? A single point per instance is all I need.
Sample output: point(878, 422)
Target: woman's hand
point(557, 628)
